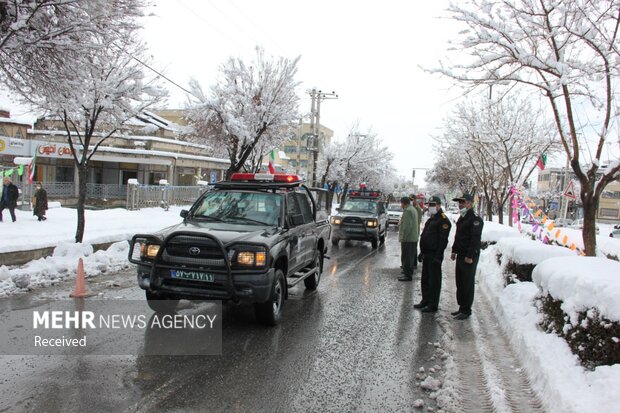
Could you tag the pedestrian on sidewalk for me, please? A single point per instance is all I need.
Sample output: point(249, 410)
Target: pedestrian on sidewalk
point(433, 242)
point(10, 193)
point(420, 213)
point(466, 251)
point(39, 202)
point(408, 233)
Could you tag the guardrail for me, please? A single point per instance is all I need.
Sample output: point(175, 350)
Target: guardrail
point(148, 196)
point(136, 196)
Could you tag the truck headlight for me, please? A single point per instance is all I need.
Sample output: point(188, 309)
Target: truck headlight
point(372, 223)
point(252, 258)
point(336, 220)
point(149, 251)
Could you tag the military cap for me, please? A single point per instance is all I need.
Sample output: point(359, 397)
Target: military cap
point(465, 197)
point(434, 200)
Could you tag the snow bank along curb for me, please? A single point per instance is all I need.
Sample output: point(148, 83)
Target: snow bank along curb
point(24, 257)
point(585, 285)
point(62, 264)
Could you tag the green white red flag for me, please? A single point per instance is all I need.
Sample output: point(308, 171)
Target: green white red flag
point(32, 165)
point(542, 161)
point(272, 163)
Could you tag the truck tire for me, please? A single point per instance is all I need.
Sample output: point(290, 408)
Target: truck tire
point(335, 241)
point(270, 312)
point(312, 282)
point(161, 304)
point(374, 243)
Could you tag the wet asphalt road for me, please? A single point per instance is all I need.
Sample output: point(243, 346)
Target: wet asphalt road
point(354, 344)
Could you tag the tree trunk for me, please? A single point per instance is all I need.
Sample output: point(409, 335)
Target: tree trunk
point(489, 206)
point(589, 222)
point(82, 177)
point(343, 196)
point(500, 213)
point(510, 211)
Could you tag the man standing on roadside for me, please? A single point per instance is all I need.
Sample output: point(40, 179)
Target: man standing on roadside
point(418, 210)
point(10, 193)
point(408, 233)
point(466, 251)
point(433, 242)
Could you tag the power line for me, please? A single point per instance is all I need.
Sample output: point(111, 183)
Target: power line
point(155, 71)
point(198, 16)
point(258, 27)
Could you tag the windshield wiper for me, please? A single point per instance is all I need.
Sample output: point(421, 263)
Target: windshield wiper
point(207, 218)
point(250, 220)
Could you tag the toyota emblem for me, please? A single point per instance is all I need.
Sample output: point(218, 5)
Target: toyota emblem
point(194, 250)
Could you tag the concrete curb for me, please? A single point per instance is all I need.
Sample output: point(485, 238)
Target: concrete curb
point(23, 257)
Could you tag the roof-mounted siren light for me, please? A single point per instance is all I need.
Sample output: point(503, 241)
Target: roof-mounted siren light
point(238, 176)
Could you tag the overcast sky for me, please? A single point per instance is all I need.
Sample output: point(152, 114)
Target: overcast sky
point(368, 52)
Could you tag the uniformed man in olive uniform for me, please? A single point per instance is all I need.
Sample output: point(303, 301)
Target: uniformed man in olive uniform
point(408, 233)
point(433, 242)
point(466, 251)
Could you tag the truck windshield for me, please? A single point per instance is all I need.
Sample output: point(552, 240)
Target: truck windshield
point(359, 205)
point(394, 207)
point(248, 207)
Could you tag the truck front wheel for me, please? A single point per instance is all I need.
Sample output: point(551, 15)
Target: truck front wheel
point(160, 304)
point(270, 312)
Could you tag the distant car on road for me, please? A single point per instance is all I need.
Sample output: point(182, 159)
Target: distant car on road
point(395, 212)
point(578, 224)
point(615, 233)
point(561, 222)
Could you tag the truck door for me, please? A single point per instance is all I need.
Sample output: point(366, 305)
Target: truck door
point(309, 238)
point(295, 225)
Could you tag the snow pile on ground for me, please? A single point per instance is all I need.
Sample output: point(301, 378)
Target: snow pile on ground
point(581, 283)
point(62, 265)
point(492, 232)
point(526, 251)
point(102, 226)
point(562, 383)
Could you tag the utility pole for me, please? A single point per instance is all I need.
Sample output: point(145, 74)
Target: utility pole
point(317, 97)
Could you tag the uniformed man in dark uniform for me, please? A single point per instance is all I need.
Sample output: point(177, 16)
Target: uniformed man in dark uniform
point(433, 242)
point(466, 251)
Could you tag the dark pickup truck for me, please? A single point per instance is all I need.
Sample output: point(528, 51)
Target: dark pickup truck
point(250, 238)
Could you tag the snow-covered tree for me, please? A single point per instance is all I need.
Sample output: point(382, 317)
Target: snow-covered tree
point(500, 141)
point(359, 158)
point(252, 106)
point(567, 50)
point(92, 90)
point(36, 36)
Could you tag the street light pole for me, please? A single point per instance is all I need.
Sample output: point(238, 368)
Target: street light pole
point(317, 97)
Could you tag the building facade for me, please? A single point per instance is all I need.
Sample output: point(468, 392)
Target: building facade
point(552, 182)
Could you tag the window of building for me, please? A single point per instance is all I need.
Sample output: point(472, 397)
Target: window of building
point(290, 149)
point(126, 175)
point(608, 213)
point(64, 174)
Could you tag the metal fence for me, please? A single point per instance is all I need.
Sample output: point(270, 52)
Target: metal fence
point(97, 191)
point(136, 196)
point(147, 196)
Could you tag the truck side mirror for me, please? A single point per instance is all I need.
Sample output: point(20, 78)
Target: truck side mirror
point(296, 219)
point(184, 213)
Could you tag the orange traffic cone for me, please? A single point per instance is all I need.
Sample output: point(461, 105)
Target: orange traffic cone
point(80, 283)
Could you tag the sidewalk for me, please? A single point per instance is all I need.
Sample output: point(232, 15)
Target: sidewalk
point(46, 251)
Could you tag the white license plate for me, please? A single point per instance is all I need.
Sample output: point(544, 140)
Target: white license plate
point(192, 275)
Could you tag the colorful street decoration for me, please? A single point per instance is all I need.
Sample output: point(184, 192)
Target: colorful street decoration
point(542, 227)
